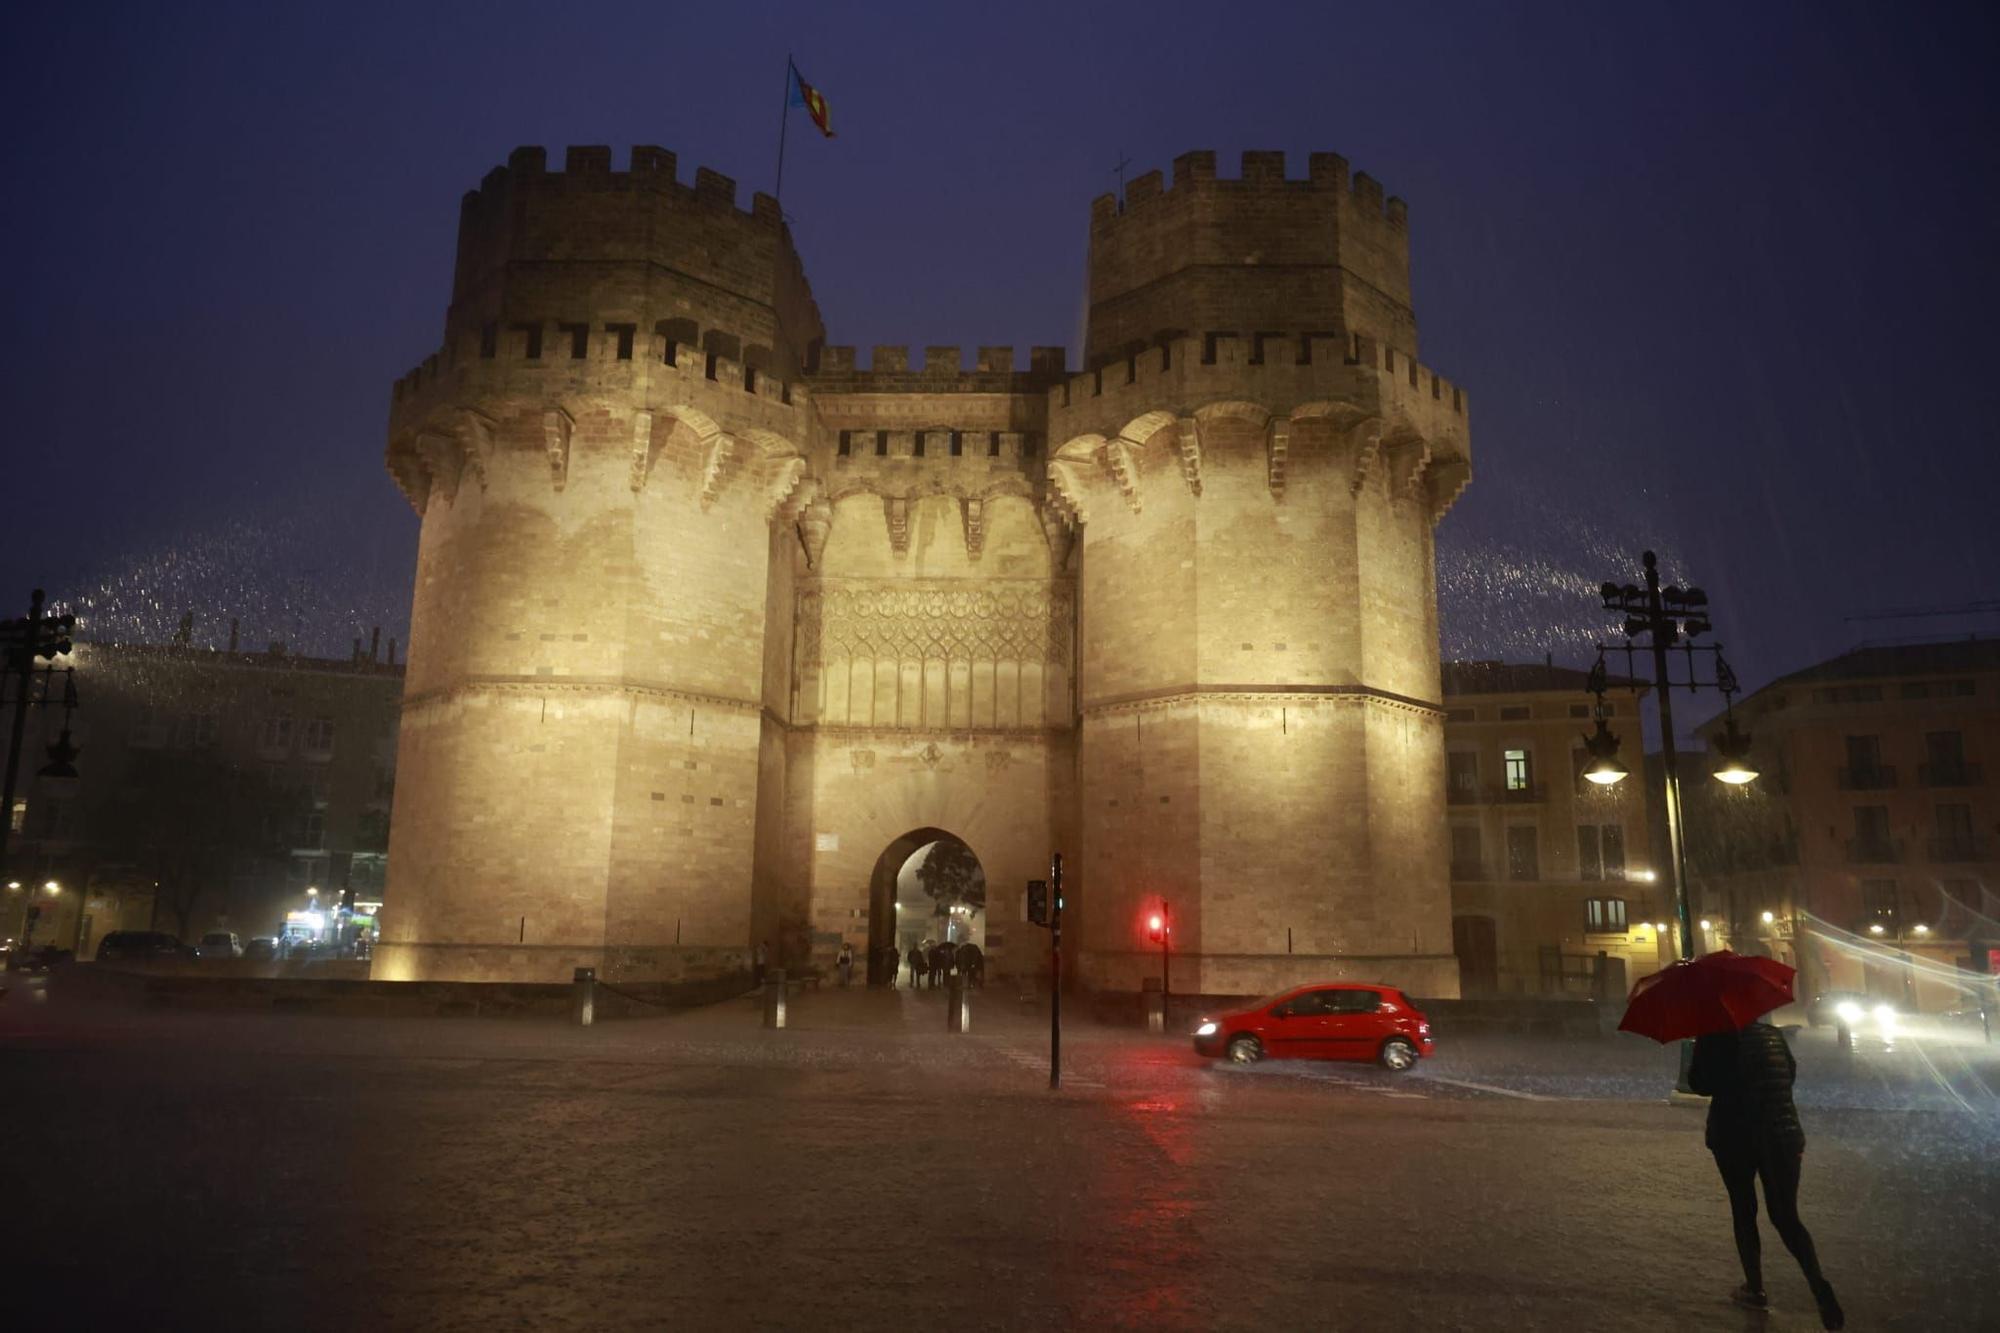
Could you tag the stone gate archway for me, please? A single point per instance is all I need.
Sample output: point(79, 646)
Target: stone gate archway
point(899, 912)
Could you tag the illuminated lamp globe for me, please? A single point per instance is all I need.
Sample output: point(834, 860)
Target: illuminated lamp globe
point(1732, 750)
point(1604, 768)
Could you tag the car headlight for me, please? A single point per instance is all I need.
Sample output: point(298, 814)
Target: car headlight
point(1885, 1015)
point(1849, 1011)
point(1207, 1029)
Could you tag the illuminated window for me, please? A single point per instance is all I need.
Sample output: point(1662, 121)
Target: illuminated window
point(1520, 771)
point(1604, 916)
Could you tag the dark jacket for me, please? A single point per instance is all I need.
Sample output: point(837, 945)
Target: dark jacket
point(1747, 1075)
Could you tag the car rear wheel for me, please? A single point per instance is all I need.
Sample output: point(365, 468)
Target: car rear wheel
point(1245, 1050)
point(1398, 1055)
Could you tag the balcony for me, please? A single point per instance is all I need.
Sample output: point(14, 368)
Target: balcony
point(1960, 774)
point(1881, 777)
point(1467, 870)
point(1462, 793)
point(1873, 851)
point(1532, 794)
point(1960, 847)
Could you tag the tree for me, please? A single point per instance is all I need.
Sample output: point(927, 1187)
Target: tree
point(189, 823)
point(950, 874)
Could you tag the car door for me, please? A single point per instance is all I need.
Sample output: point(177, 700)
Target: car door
point(1353, 1026)
point(1296, 1028)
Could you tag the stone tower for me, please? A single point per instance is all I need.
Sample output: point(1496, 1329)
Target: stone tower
point(713, 626)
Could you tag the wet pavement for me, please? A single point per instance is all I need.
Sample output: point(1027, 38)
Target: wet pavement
point(864, 1168)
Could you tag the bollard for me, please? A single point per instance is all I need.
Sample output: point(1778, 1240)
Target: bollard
point(774, 998)
point(583, 997)
point(1153, 998)
point(958, 1005)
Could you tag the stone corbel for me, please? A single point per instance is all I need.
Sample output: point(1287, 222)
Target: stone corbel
point(475, 438)
point(1367, 441)
point(1061, 536)
point(896, 510)
point(1446, 479)
point(717, 450)
point(1070, 483)
point(1187, 432)
point(1277, 442)
point(975, 527)
point(1406, 459)
point(444, 459)
point(1122, 462)
point(815, 523)
point(785, 477)
point(556, 428)
point(642, 450)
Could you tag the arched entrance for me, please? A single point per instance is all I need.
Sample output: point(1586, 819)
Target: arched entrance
point(927, 885)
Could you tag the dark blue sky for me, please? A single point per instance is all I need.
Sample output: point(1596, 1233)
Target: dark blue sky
point(1719, 278)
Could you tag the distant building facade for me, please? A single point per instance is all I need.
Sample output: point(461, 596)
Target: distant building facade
point(1865, 853)
point(162, 726)
point(1554, 887)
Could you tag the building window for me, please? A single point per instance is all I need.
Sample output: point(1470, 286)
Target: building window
point(1878, 901)
point(316, 737)
point(1955, 840)
point(318, 780)
point(149, 729)
point(1461, 777)
point(312, 829)
point(1523, 853)
point(846, 443)
point(1604, 916)
point(1465, 862)
point(196, 731)
point(18, 821)
point(1520, 770)
point(1580, 710)
point(1944, 759)
point(1515, 713)
point(277, 734)
point(1871, 834)
point(1600, 851)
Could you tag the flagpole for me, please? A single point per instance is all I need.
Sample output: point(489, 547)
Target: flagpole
point(784, 118)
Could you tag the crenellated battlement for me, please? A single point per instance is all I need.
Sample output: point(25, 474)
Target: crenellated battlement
point(1260, 172)
point(942, 369)
point(1261, 252)
point(588, 167)
point(1180, 371)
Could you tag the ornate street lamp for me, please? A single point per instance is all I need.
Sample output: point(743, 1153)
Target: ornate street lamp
point(24, 645)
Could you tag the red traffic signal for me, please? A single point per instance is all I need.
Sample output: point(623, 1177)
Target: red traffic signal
point(1156, 926)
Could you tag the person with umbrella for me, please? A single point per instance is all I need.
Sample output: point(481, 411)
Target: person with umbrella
point(1745, 1068)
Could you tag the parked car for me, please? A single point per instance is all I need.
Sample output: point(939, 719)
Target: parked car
point(1325, 1021)
point(141, 946)
point(261, 949)
point(219, 944)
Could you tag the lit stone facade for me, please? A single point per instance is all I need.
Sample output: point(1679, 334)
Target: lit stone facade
point(709, 619)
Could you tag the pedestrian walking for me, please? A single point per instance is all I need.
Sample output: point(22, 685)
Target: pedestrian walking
point(1754, 1134)
point(760, 960)
point(846, 962)
point(916, 966)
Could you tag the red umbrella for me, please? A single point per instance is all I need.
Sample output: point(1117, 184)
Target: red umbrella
point(1717, 992)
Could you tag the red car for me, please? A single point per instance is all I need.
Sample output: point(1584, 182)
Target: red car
point(1324, 1021)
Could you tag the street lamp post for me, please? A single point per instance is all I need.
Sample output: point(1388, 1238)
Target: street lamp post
point(1670, 619)
point(24, 642)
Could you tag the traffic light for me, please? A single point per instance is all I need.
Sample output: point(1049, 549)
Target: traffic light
point(1038, 901)
point(1156, 927)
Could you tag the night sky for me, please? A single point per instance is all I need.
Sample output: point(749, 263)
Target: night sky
point(1718, 279)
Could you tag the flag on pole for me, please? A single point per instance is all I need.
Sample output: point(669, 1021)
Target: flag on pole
point(809, 97)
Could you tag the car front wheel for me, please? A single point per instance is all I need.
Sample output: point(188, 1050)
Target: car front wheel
point(1398, 1055)
point(1245, 1050)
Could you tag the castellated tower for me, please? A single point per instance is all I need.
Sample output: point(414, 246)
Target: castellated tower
point(715, 626)
point(1257, 461)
